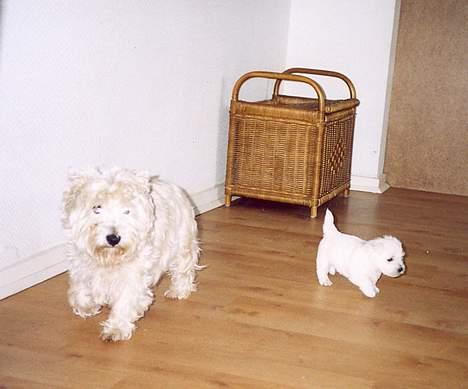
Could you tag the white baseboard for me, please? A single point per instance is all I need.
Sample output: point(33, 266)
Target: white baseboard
point(208, 199)
point(369, 184)
point(32, 270)
point(46, 264)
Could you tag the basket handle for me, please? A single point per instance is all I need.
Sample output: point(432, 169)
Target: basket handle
point(278, 77)
point(352, 90)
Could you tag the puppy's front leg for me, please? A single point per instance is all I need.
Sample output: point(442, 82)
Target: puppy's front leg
point(126, 309)
point(368, 288)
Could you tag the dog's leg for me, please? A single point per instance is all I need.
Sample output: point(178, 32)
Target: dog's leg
point(368, 288)
point(182, 284)
point(323, 279)
point(81, 300)
point(182, 271)
point(132, 303)
point(322, 269)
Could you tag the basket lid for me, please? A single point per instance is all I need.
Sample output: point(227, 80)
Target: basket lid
point(297, 102)
point(291, 107)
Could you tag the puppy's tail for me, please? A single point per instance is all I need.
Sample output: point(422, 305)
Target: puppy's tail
point(328, 224)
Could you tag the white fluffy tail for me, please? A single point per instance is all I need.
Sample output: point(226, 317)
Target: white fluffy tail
point(328, 224)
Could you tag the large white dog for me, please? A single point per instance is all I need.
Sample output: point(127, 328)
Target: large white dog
point(126, 230)
point(362, 262)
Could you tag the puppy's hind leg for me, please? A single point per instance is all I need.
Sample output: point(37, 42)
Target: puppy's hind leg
point(323, 268)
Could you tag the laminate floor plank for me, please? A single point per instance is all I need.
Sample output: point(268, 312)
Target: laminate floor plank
point(261, 320)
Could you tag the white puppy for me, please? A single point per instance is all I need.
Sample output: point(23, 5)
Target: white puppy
point(360, 261)
point(126, 230)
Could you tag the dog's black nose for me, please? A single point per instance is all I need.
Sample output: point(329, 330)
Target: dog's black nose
point(400, 270)
point(113, 239)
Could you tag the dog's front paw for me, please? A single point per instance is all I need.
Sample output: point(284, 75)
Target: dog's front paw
point(82, 302)
point(179, 294)
point(115, 331)
point(369, 290)
point(325, 281)
point(86, 311)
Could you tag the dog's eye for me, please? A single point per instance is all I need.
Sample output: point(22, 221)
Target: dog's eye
point(389, 259)
point(126, 212)
point(97, 209)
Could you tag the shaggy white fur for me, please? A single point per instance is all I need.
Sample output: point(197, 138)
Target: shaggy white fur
point(126, 230)
point(362, 262)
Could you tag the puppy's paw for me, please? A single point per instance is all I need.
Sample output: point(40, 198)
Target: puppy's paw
point(369, 290)
point(115, 331)
point(325, 281)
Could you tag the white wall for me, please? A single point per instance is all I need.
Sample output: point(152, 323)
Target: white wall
point(146, 84)
point(355, 38)
point(141, 84)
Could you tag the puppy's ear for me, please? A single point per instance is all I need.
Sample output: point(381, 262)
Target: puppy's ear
point(373, 247)
point(76, 182)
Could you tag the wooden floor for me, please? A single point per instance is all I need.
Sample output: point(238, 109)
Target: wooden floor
point(261, 320)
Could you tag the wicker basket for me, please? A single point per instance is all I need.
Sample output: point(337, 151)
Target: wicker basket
point(290, 149)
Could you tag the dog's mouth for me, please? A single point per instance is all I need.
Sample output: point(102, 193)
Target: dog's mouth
point(398, 272)
point(108, 249)
point(111, 255)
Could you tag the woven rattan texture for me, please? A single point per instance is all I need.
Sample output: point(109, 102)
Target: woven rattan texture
point(336, 155)
point(289, 148)
point(272, 156)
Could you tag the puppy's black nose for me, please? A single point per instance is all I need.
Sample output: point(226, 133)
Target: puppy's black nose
point(113, 239)
point(400, 270)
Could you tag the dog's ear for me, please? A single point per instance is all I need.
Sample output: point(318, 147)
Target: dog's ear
point(374, 244)
point(144, 180)
point(143, 176)
point(76, 182)
point(373, 248)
